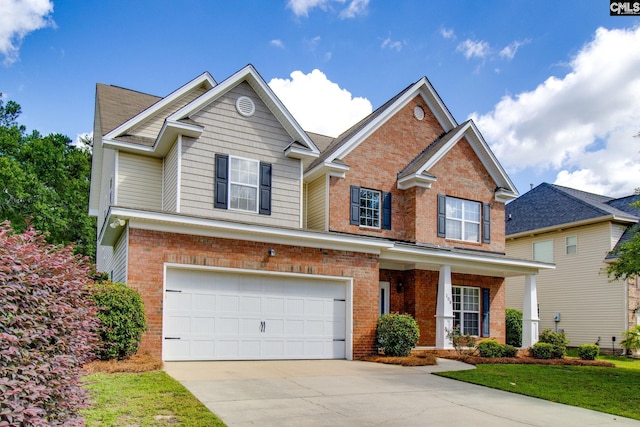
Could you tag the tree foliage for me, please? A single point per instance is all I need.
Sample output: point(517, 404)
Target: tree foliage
point(44, 181)
point(47, 324)
point(627, 263)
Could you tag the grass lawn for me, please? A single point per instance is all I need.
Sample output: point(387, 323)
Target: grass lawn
point(144, 399)
point(611, 390)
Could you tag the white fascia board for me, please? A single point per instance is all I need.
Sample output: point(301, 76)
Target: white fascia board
point(327, 168)
point(423, 88)
point(175, 223)
point(443, 256)
point(416, 180)
point(503, 196)
point(251, 75)
point(204, 77)
point(127, 146)
point(299, 153)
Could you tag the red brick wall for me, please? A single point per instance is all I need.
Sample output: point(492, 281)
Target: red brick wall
point(376, 162)
point(149, 250)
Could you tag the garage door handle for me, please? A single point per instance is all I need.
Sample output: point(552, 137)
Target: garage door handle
point(172, 290)
point(263, 326)
point(171, 338)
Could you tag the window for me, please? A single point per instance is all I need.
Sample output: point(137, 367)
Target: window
point(243, 184)
point(571, 245)
point(463, 220)
point(466, 309)
point(543, 251)
point(369, 208)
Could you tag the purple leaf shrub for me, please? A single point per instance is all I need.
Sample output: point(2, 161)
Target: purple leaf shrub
point(47, 324)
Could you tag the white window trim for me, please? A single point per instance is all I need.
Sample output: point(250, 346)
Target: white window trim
point(463, 221)
point(462, 311)
point(257, 186)
point(379, 209)
point(567, 245)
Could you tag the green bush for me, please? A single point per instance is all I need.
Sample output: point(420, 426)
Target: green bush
point(490, 348)
point(513, 319)
point(631, 338)
point(588, 351)
point(509, 351)
point(558, 340)
point(397, 334)
point(541, 350)
point(121, 314)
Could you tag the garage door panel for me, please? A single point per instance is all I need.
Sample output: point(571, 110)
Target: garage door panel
point(242, 316)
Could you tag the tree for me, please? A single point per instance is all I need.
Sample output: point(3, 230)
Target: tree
point(44, 181)
point(627, 263)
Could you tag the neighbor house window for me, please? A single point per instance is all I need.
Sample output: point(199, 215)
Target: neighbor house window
point(466, 309)
point(463, 220)
point(572, 245)
point(369, 208)
point(543, 251)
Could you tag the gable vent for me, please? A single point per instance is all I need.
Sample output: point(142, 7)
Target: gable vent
point(245, 106)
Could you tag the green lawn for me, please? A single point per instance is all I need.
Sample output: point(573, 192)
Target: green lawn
point(144, 399)
point(611, 390)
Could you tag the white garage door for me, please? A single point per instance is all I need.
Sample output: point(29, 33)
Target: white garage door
point(230, 316)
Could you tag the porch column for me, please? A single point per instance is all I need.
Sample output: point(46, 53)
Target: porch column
point(444, 309)
point(530, 313)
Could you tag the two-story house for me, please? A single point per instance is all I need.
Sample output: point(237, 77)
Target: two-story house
point(249, 238)
point(576, 231)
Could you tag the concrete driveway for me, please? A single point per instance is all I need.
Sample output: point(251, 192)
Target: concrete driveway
point(353, 393)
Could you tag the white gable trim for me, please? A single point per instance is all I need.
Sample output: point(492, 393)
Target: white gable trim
point(263, 90)
point(132, 122)
point(430, 97)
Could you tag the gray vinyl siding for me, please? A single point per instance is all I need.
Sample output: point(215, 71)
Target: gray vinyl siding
point(616, 233)
point(170, 180)
point(589, 305)
point(150, 128)
point(259, 137)
point(120, 256)
point(139, 181)
point(317, 204)
point(104, 258)
point(108, 173)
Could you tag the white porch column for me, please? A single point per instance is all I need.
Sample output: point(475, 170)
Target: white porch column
point(444, 309)
point(530, 313)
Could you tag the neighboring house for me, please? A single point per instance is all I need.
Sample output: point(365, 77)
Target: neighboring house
point(576, 231)
point(249, 238)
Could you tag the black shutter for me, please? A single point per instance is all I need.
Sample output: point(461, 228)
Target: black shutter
point(442, 215)
point(486, 223)
point(221, 182)
point(355, 205)
point(486, 309)
point(386, 211)
point(265, 189)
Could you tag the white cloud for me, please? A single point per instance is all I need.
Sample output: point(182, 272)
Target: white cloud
point(353, 9)
point(473, 48)
point(318, 104)
point(277, 43)
point(447, 33)
point(17, 19)
point(509, 52)
point(581, 125)
point(389, 44)
point(81, 137)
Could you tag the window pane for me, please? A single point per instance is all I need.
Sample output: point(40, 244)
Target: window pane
point(454, 229)
point(244, 198)
point(572, 245)
point(243, 171)
point(471, 323)
point(463, 220)
point(454, 208)
point(543, 251)
point(472, 211)
point(471, 232)
point(369, 208)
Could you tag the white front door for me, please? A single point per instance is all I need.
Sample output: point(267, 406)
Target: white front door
point(212, 315)
point(384, 297)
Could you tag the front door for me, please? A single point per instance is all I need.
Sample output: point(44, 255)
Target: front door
point(384, 298)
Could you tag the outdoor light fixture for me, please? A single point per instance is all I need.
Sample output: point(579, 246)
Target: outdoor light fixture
point(117, 222)
point(272, 252)
point(399, 286)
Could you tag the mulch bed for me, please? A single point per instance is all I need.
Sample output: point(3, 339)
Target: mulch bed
point(526, 360)
point(136, 363)
point(419, 358)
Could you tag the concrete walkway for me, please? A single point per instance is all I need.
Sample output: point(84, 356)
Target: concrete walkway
point(353, 393)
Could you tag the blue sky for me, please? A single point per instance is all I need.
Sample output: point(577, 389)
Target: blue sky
point(554, 86)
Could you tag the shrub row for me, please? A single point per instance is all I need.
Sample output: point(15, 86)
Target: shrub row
point(492, 348)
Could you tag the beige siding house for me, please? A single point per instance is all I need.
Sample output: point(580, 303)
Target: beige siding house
point(577, 232)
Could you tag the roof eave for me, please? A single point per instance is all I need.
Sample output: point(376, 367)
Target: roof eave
point(327, 168)
point(416, 180)
point(567, 225)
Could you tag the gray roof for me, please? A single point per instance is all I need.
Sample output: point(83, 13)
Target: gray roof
point(116, 105)
point(550, 205)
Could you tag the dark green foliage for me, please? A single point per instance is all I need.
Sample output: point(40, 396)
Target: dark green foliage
point(492, 348)
point(513, 320)
point(631, 338)
point(121, 313)
point(47, 324)
point(397, 334)
point(558, 340)
point(463, 344)
point(45, 180)
point(588, 351)
point(542, 350)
